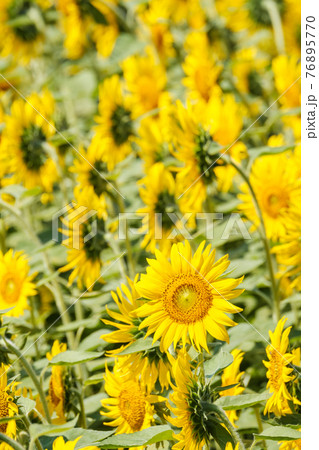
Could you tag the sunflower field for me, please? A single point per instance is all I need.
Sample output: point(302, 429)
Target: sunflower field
point(150, 224)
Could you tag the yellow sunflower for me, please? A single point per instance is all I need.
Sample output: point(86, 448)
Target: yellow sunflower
point(20, 35)
point(128, 405)
point(187, 297)
point(16, 285)
point(85, 241)
point(189, 11)
point(277, 189)
point(232, 375)
point(187, 409)
point(159, 194)
point(115, 129)
point(57, 385)
point(152, 364)
point(7, 407)
point(290, 445)
point(26, 151)
point(279, 372)
point(145, 80)
point(84, 20)
point(59, 444)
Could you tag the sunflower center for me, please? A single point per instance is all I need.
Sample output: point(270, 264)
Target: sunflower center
point(260, 14)
point(132, 405)
point(276, 369)
point(166, 205)
point(95, 177)
point(275, 201)
point(10, 289)
point(122, 125)
point(4, 409)
point(187, 298)
point(20, 22)
point(96, 243)
point(33, 153)
point(88, 9)
point(205, 153)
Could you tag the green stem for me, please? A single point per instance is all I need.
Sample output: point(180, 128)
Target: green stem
point(262, 230)
point(14, 444)
point(274, 15)
point(202, 370)
point(13, 349)
point(27, 424)
point(223, 416)
point(131, 265)
point(259, 423)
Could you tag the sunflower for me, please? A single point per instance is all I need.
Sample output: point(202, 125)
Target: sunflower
point(19, 34)
point(26, 151)
point(128, 405)
point(57, 384)
point(186, 397)
point(84, 255)
point(160, 197)
point(115, 129)
point(82, 20)
point(146, 81)
point(152, 364)
point(16, 285)
point(290, 445)
point(202, 70)
point(91, 169)
point(247, 68)
point(7, 406)
point(288, 251)
point(59, 444)
point(279, 373)
point(232, 375)
point(189, 11)
point(187, 297)
point(276, 187)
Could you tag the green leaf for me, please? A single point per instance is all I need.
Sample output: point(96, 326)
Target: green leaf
point(259, 151)
point(236, 402)
point(94, 379)
point(145, 437)
point(139, 346)
point(71, 357)
point(217, 363)
point(221, 435)
point(26, 405)
point(126, 45)
point(279, 434)
point(225, 388)
point(4, 311)
point(239, 267)
point(36, 430)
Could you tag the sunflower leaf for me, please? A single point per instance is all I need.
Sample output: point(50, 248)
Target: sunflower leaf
point(279, 433)
point(71, 357)
point(236, 402)
point(139, 346)
point(217, 363)
point(149, 436)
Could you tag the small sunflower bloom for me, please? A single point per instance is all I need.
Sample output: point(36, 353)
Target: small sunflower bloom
point(60, 444)
point(7, 407)
point(187, 297)
point(57, 384)
point(279, 372)
point(16, 284)
point(128, 404)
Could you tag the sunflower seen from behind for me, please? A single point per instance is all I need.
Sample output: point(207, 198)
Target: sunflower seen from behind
point(26, 149)
point(7, 407)
point(16, 283)
point(187, 297)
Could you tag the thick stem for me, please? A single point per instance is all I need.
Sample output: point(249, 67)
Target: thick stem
point(13, 349)
point(230, 427)
point(262, 230)
point(274, 15)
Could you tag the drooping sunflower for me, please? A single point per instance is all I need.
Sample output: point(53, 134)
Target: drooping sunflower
point(145, 80)
point(277, 189)
point(115, 129)
point(16, 285)
point(279, 372)
point(7, 406)
point(82, 20)
point(232, 375)
point(26, 151)
point(152, 364)
point(19, 34)
point(85, 241)
point(188, 414)
point(59, 444)
point(57, 391)
point(187, 297)
point(162, 210)
point(129, 405)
